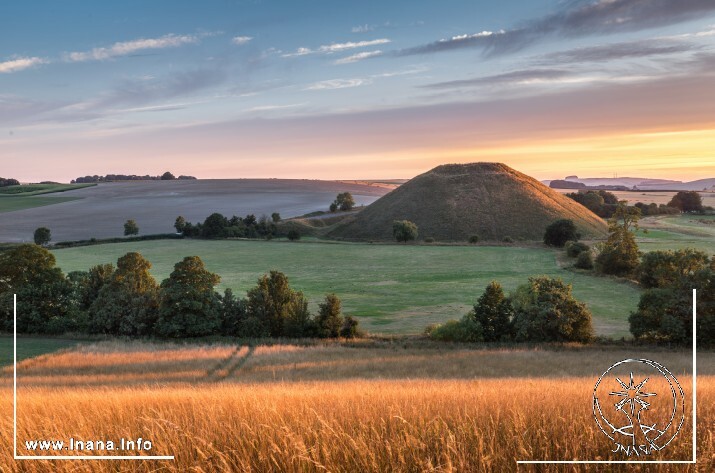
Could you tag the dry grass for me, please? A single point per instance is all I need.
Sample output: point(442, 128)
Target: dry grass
point(332, 408)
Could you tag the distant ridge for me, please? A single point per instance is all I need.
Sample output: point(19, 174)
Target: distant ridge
point(455, 201)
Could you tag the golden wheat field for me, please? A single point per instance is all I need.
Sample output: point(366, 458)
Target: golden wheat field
point(365, 407)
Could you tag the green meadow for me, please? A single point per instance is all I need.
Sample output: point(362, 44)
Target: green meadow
point(393, 289)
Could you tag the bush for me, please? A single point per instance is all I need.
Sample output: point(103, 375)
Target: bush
point(508, 239)
point(293, 235)
point(474, 239)
point(428, 240)
point(561, 231)
point(350, 328)
point(329, 320)
point(404, 230)
point(464, 330)
point(546, 311)
point(584, 260)
point(575, 248)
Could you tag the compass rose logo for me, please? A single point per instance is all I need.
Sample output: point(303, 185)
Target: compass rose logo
point(639, 405)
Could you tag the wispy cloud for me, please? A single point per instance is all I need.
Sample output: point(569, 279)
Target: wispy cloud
point(362, 28)
point(337, 84)
point(20, 63)
point(240, 40)
point(520, 76)
point(267, 108)
point(614, 51)
point(337, 47)
point(578, 19)
point(125, 48)
point(358, 57)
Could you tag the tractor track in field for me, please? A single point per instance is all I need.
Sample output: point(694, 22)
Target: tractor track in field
point(229, 365)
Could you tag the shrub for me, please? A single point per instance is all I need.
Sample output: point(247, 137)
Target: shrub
point(561, 231)
point(404, 230)
point(584, 260)
point(350, 328)
point(546, 311)
point(427, 240)
point(575, 248)
point(474, 239)
point(293, 235)
point(464, 330)
point(329, 320)
point(508, 239)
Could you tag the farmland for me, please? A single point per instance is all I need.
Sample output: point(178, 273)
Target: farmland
point(391, 288)
point(678, 231)
point(101, 210)
point(364, 406)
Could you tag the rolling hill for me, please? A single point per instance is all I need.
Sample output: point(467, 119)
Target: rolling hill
point(454, 201)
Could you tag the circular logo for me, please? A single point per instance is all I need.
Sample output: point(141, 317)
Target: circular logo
point(639, 405)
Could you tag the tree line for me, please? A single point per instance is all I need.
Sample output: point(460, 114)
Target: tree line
point(126, 300)
point(604, 203)
point(167, 176)
point(6, 182)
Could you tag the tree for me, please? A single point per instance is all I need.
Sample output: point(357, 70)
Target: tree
point(344, 201)
point(214, 226)
point(687, 201)
point(593, 202)
point(293, 235)
point(42, 236)
point(167, 176)
point(546, 311)
point(273, 301)
point(188, 304)
point(404, 230)
point(670, 268)
point(493, 312)
point(561, 231)
point(234, 312)
point(127, 304)
point(351, 328)
point(89, 283)
point(44, 295)
point(329, 320)
point(180, 224)
point(276, 217)
point(131, 228)
point(619, 255)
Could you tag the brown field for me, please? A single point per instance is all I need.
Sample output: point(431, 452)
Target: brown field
point(100, 211)
point(366, 406)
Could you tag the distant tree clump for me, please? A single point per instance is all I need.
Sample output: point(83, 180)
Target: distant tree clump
point(131, 228)
point(600, 202)
point(493, 312)
point(546, 311)
point(619, 255)
point(329, 320)
point(8, 182)
point(575, 248)
point(167, 176)
point(293, 235)
point(687, 201)
point(277, 308)
point(404, 230)
point(474, 239)
point(668, 268)
point(218, 226)
point(344, 201)
point(126, 177)
point(188, 304)
point(276, 217)
point(561, 231)
point(127, 303)
point(42, 236)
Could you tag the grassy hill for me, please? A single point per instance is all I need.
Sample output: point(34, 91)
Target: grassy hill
point(455, 201)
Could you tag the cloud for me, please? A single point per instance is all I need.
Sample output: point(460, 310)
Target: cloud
point(337, 47)
point(609, 52)
point(358, 57)
point(266, 108)
point(362, 28)
point(130, 47)
point(578, 19)
point(20, 63)
point(338, 84)
point(240, 40)
point(521, 76)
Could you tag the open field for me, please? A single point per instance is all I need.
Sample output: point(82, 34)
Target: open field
point(367, 407)
point(650, 196)
point(31, 346)
point(678, 231)
point(100, 211)
point(21, 202)
point(37, 189)
point(392, 288)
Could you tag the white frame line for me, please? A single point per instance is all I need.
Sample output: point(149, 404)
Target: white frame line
point(55, 457)
point(670, 462)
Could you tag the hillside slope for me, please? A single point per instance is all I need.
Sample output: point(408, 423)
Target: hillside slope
point(454, 201)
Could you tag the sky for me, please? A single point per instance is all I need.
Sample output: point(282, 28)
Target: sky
point(331, 89)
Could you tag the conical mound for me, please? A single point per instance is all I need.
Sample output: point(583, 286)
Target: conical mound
point(453, 202)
